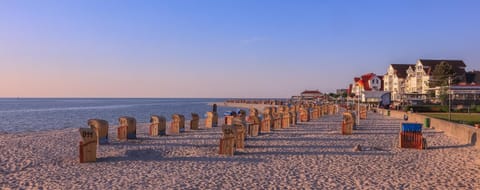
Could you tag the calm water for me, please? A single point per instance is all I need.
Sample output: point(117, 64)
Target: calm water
point(18, 115)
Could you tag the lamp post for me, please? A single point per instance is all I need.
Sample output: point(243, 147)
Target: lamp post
point(358, 106)
point(449, 100)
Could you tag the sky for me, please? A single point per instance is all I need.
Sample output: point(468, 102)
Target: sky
point(222, 48)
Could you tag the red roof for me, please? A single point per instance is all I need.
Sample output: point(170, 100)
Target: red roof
point(363, 81)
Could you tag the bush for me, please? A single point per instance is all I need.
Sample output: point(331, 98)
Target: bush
point(426, 108)
point(440, 108)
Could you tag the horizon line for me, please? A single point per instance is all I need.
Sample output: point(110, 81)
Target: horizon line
point(142, 97)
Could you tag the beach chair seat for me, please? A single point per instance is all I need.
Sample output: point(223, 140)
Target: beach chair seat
point(286, 120)
point(293, 116)
point(347, 123)
point(304, 115)
point(194, 122)
point(277, 121)
point(363, 112)
point(228, 120)
point(158, 125)
point(227, 146)
point(411, 136)
point(265, 125)
point(227, 142)
point(88, 146)
point(101, 129)
point(211, 120)
point(411, 140)
point(130, 125)
point(122, 133)
point(267, 121)
point(240, 131)
point(253, 129)
point(182, 123)
point(174, 128)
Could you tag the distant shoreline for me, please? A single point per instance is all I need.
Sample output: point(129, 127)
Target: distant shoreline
point(259, 107)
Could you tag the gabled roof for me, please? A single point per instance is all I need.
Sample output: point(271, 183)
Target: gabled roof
point(457, 65)
point(368, 76)
point(401, 69)
point(433, 62)
point(365, 79)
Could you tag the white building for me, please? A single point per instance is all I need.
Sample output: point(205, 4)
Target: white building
point(417, 82)
point(411, 82)
point(367, 82)
point(394, 80)
point(311, 95)
point(369, 87)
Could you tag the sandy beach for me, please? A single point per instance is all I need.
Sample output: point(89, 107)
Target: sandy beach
point(312, 155)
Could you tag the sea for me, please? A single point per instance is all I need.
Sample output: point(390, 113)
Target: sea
point(40, 114)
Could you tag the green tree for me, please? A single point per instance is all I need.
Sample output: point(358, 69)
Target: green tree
point(333, 95)
point(441, 74)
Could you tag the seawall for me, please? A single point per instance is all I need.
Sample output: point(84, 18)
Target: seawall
point(464, 133)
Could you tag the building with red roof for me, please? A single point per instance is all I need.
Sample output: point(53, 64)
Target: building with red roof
point(366, 82)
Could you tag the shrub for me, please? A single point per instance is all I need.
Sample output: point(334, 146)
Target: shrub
point(439, 108)
point(426, 108)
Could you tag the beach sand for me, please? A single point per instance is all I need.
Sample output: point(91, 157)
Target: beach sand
point(312, 155)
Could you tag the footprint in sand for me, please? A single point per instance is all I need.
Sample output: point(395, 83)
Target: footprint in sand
point(25, 164)
point(15, 166)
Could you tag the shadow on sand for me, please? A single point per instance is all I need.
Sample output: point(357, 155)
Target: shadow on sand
point(150, 155)
point(448, 147)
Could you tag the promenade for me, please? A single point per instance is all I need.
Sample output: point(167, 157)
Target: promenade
point(312, 155)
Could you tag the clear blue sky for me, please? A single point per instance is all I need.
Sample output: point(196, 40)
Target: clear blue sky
point(201, 48)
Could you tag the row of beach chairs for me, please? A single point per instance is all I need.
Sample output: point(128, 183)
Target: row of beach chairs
point(239, 127)
point(97, 134)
